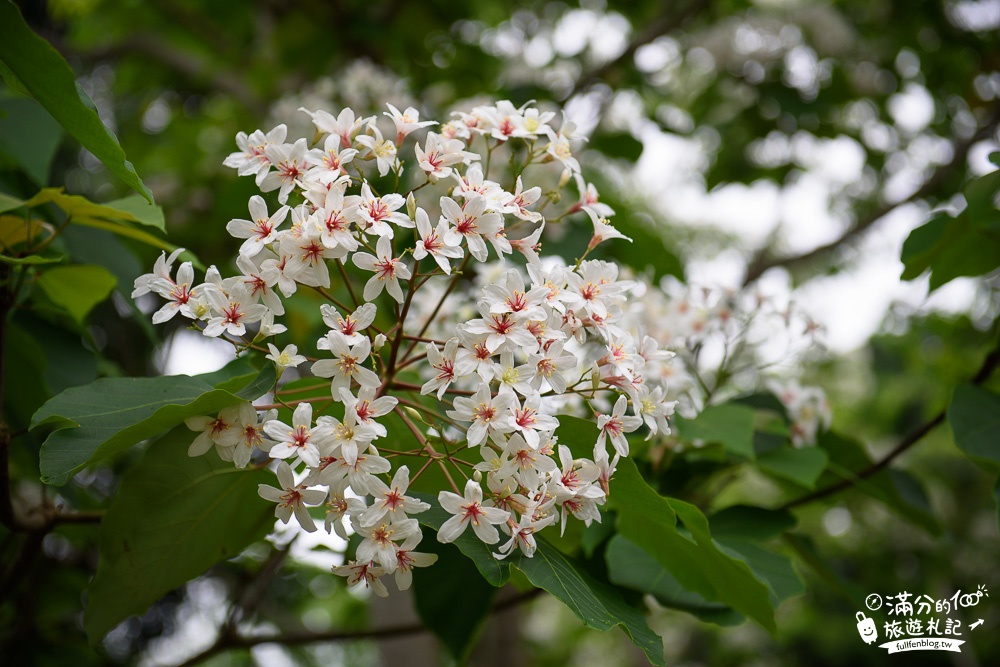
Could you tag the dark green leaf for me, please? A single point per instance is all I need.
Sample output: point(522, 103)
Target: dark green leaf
point(650, 521)
point(452, 597)
point(29, 135)
point(742, 522)
point(974, 415)
point(802, 466)
point(77, 288)
point(730, 425)
point(41, 71)
point(174, 517)
point(630, 566)
point(619, 145)
point(112, 414)
point(595, 603)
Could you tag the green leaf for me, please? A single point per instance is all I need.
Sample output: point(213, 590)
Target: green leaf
point(41, 71)
point(129, 209)
point(996, 497)
point(29, 136)
point(730, 425)
point(595, 603)
point(950, 248)
point(974, 415)
point(802, 466)
point(30, 259)
point(77, 288)
point(8, 203)
point(174, 516)
point(650, 521)
point(494, 571)
point(742, 522)
point(619, 145)
point(452, 598)
point(112, 414)
point(630, 566)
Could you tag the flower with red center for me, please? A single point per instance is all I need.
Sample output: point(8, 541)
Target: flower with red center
point(388, 270)
point(470, 511)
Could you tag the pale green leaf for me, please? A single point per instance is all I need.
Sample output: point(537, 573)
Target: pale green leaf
point(730, 425)
point(802, 466)
point(77, 288)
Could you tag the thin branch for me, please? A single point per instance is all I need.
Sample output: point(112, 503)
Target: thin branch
point(990, 364)
point(303, 638)
point(762, 262)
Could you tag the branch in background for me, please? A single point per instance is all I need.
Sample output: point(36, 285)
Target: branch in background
point(186, 64)
point(234, 642)
point(990, 364)
point(667, 23)
point(762, 262)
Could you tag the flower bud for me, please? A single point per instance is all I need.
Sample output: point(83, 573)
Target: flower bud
point(378, 342)
point(411, 206)
point(477, 475)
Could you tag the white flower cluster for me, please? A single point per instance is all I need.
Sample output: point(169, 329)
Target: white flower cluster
point(540, 335)
point(807, 408)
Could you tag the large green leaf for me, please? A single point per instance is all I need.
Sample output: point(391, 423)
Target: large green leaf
point(112, 414)
point(802, 466)
point(650, 521)
point(174, 517)
point(595, 603)
point(42, 72)
point(77, 288)
point(496, 572)
point(29, 136)
point(951, 248)
point(452, 597)
point(730, 425)
point(630, 566)
point(974, 415)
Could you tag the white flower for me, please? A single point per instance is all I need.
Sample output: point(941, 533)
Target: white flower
point(232, 313)
point(378, 544)
point(352, 325)
point(289, 160)
point(388, 270)
point(367, 572)
point(292, 498)
point(391, 500)
point(470, 222)
point(286, 358)
point(299, 439)
point(346, 364)
point(375, 213)
point(470, 510)
point(406, 122)
point(407, 559)
point(486, 413)
point(434, 242)
point(616, 425)
point(383, 150)
point(259, 231)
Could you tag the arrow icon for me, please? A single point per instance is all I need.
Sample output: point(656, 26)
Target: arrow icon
point(976, 624)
